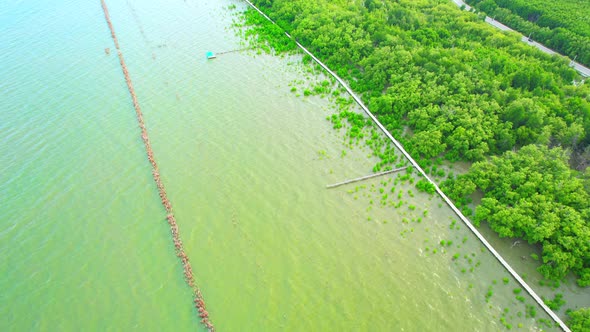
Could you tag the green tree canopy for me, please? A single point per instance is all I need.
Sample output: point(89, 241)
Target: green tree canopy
point(534, 195)
point(579, 320)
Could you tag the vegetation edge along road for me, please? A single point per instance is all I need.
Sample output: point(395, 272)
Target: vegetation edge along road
point(583, 70)
point(561, 25)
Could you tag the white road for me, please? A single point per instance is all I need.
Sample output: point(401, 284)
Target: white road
point(584, 71)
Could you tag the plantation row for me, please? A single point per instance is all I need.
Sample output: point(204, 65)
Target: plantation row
point(561, 25)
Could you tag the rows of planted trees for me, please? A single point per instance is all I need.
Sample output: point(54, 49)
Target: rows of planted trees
point(449, 86)
point(562, 25)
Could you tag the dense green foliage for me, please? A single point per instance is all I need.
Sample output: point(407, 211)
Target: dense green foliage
point(563, 25)
point(579, 320)
point(268, 35)
point(463, 87)
point(467, 91)
point(534, 195)
point(425, 186)
point(556, 303)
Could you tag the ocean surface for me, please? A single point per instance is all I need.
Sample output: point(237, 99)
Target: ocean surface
point(83, 237)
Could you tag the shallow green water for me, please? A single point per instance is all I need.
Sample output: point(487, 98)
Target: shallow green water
point(245, 163)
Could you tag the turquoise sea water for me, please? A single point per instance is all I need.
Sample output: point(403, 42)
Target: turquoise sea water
point(245, 163)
